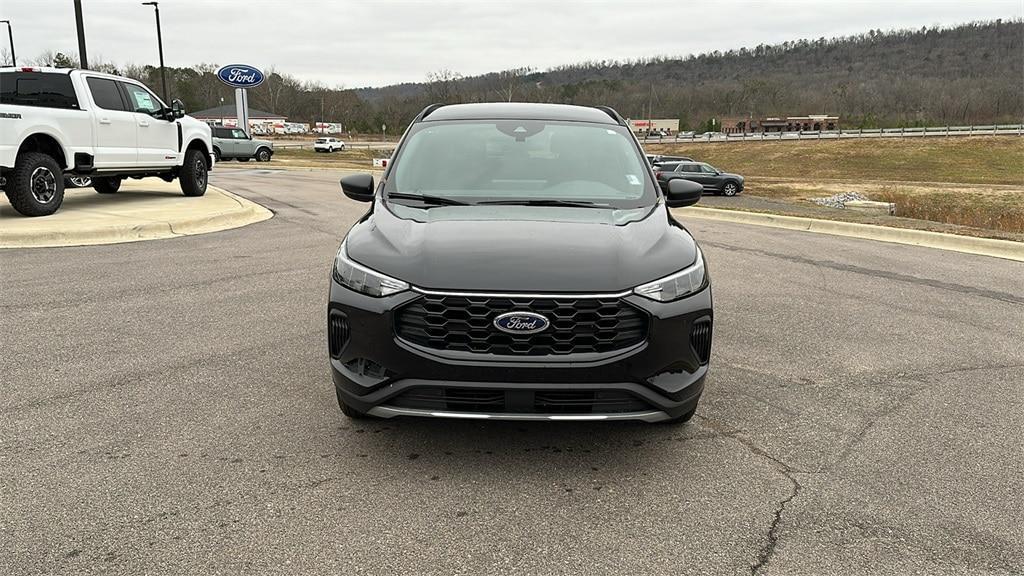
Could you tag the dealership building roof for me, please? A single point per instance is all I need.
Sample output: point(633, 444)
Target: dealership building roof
point(228, 111)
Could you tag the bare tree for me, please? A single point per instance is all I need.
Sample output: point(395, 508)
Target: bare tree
point(443, 86)
point(510, 82)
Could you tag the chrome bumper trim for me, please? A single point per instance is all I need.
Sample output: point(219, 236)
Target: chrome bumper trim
point(391, 412)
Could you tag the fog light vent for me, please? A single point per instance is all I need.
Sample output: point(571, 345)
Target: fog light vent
point(367, 367)
point(337, 333)
point(700, 339)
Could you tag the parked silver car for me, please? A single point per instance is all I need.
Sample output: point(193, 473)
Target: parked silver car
point(234, 143)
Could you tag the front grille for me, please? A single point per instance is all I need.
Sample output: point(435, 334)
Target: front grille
point(700, 339)
point(465, 323)
point(520, 401)
point(337, 333)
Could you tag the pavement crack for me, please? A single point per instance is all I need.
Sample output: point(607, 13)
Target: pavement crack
point(737, 435)
point(767, 550)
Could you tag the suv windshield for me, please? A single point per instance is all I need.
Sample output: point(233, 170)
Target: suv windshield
point(523, 161)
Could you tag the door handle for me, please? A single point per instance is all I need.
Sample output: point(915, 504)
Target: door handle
point(104, 120)
point(143, 123)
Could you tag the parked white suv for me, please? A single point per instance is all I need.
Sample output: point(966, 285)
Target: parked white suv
point(328, 145)
point(56, 123)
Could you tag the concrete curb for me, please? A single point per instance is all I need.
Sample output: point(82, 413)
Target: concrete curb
point(1006, 249)
point(242, 212)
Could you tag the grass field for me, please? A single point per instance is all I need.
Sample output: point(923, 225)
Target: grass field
point(351, 158)
point(976, 182)
point(974, 160)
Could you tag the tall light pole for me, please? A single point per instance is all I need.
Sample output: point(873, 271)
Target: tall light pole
point(160, 45)
point(83, 60)
point(10, 36)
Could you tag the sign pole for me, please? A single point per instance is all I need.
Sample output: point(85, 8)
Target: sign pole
point(242, 109)
point(83, 60)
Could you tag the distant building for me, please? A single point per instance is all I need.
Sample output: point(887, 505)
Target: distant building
point(668, 126)
point(810, 123)
point(225, 116)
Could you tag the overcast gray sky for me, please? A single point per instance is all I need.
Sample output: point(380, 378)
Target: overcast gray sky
point(360, 43)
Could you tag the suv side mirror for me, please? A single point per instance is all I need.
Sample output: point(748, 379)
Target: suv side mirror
point(683, 193)
point(358, 187)
point(177, 109)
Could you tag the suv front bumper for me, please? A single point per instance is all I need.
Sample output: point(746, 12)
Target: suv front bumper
point(376, 372)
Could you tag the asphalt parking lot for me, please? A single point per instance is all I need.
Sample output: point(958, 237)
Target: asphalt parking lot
point(168, 409)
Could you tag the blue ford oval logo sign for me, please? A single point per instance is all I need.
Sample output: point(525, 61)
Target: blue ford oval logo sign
point(240, 76)
point(521, 322)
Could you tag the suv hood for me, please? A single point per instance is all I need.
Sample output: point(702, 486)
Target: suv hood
point(521, 255)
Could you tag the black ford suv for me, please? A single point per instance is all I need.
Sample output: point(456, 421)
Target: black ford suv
point(519, 262)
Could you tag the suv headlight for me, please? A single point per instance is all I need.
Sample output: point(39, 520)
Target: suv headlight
point(361, 279)
point(678, 285)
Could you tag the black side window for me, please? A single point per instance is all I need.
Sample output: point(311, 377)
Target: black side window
point(220, 133)
point(38, 89)
point(691, 168)
point(105, 93)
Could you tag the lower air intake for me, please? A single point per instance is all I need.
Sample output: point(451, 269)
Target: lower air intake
point(337, 333)
point(700, 339)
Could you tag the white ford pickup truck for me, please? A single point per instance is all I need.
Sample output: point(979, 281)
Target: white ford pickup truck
point(56, 123)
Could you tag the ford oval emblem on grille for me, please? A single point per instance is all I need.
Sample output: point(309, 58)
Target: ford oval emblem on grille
point(521, 322)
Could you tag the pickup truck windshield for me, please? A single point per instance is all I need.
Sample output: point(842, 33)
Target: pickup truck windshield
point(523, 161)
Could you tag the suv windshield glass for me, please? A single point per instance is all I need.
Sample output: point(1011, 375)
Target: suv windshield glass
point(523, 161)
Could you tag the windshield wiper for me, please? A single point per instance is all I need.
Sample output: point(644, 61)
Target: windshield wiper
point(427, 199)
point(546, 202)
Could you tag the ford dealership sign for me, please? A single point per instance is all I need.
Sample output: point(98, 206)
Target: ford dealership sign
point(240, 76)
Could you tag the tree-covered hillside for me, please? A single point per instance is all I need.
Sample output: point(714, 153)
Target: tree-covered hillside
point(967, 74)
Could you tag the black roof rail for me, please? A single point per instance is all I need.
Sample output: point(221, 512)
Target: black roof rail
point(427, 111)
point(611, 112)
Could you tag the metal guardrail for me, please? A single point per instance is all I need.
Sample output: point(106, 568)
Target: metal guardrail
point(279, 145)
point(992, 130)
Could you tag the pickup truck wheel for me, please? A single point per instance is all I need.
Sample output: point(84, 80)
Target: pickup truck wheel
point(36, 185)
point(263, 155)
point(194, 173)
point(106, 185)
